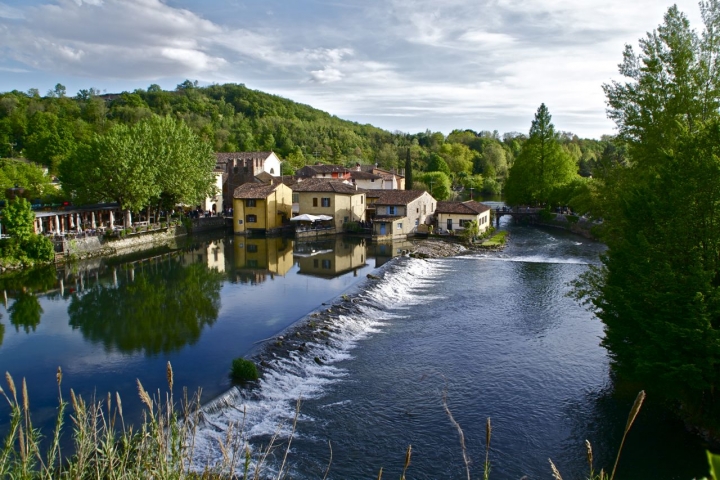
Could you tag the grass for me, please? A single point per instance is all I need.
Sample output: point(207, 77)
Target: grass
point(243, 370)
point(162, 446)
point(496, 240)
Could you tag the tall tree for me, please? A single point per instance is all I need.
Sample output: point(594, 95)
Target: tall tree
point(542, 165)
point(658, 289)
point(408, 171)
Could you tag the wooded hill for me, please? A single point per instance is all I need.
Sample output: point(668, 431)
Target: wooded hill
point(231, 117)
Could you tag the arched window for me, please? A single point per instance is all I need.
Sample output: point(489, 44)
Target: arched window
point(272, 171)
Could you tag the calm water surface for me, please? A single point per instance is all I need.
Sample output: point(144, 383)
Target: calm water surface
point(495, 333)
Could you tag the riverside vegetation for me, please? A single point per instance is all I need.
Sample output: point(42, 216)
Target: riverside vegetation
point(161, 446)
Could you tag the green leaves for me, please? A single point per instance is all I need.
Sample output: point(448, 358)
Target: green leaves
point(542, 166)
point(135, 165)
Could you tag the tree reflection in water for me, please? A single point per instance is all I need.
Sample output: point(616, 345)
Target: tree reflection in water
point(25, 312)
point(162, 309)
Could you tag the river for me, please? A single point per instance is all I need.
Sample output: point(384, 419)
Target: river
point(494, 333)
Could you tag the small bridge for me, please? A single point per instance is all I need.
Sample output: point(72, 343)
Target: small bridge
point(519, 214)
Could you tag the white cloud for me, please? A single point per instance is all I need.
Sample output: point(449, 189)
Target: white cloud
point(407, 63)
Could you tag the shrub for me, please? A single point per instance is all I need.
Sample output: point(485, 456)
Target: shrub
point(352, 227)
point(547, 215)
point(40, 248)
point(243, 370)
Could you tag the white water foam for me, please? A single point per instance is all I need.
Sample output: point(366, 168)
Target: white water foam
point(270, 409)
point(536, 259)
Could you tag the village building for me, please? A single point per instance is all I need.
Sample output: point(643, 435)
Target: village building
point(399, 213)
point(339, 200)
point(261, 208)
point(242, 167)
point(453, 216)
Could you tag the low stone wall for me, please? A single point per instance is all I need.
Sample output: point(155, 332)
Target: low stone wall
point(315, 233)
point(205, 224)
point(80, 248)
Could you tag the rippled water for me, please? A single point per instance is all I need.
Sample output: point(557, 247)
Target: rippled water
point(498, 336)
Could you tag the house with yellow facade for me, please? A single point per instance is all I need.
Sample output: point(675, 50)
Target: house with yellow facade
point(261, 208)
point(342, 201)
point(454, 216)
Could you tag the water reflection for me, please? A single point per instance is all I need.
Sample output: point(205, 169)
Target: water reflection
point(330, 258)
point(25, 312)
point(256, 259)
point(153, 308)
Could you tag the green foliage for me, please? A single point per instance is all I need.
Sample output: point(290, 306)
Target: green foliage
point(470, 232)
point(437, 184)
point(352, 227)
point(243, 370)
point(18, 218)
point(161, 311)
point(438, 164)
point(26, 175)
point(39, 248)
point(542, 166)
point(657, 290)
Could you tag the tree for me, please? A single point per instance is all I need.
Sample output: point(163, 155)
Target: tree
point(438, 184)
point(408, 171)
point(658, 288)
point(18, 219)
point(438, 164)
point(542, 165)
point(136, 165)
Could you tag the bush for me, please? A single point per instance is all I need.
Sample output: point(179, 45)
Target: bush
point(40, 248)
point(243, 370)
point(547, 216)
point(352, 227)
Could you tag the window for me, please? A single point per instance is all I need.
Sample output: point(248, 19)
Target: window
point(424, 209)
point(252, 248)
point(250, 202)
point(315, 202)
point(345, 220)
point(316, 263)
point(296, 198)
point(272, 171)
point(391, 210)
point(251, 219)
point(326, 264)
point(325, 201)
point(399, 227)
point(464, 223)
point(372, 180)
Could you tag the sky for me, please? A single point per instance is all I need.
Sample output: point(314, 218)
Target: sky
point(401, 65)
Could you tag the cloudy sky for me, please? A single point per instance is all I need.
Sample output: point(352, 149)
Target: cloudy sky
point(406, 65)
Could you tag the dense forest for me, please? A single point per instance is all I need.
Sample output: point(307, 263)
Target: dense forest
point(49, 129)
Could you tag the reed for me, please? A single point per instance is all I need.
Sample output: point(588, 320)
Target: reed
point(162, 446)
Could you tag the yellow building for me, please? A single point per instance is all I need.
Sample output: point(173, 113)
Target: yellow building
point(344, 202)
point(263, 255)
point(261, 208)
point(453, 216)
point(332, 262)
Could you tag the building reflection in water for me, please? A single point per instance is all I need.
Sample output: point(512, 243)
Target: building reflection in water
point(331, 258)
point(256, 259)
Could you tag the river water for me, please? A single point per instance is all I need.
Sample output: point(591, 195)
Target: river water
point(493, 333)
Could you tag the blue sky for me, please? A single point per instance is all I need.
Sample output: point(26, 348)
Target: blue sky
point(407, 65)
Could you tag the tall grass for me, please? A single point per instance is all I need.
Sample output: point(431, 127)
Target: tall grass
point(162, 446)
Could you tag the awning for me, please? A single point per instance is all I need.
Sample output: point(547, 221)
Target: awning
point(305, 217)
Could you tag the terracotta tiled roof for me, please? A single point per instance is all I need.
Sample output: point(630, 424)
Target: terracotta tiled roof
point(398, 197)
point(363, 175)
point(471, 207)
point(325, 185)
point(224, 157)
point(254, 190)
point(310, 170)
point(380, 171)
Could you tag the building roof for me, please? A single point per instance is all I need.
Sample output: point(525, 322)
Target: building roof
point(310, 170)
point(380, 171)
point(397, 197)
point(224, 157)
point(266, 178)
point(360, 175)
point(255, 190)
point(326, 185)
point(471, 207)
